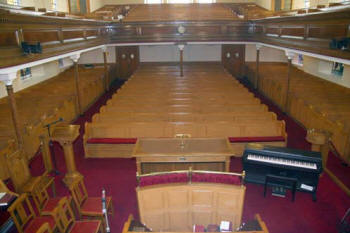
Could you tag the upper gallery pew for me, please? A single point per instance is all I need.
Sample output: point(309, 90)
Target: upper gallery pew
point(57, 35)
point(314, 102)
point(44, 103)
point(218, 106)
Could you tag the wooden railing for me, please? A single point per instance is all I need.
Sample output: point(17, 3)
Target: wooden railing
point(59, 35)
point(56, 35)
point(312, 33)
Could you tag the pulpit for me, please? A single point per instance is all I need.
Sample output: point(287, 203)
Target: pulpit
point(66, 135)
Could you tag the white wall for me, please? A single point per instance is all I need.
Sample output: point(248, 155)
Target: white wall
point(40, 73)
point(170, 53)
point(312, 66)
point(266, 54)
point(114, 2)
point(96, 56)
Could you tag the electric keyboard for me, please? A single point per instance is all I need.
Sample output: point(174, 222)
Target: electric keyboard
point(304, 166)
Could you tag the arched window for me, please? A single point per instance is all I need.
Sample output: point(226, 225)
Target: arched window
point(54, 5)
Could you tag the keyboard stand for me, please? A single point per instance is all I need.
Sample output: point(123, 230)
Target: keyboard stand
point(281, 181)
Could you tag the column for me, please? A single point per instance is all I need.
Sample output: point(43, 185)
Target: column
point(105, 62)
point(66, 135)
point(181, 47)
point(7, 79)
point(79, 108)
point(290, 56)
point(256, 84)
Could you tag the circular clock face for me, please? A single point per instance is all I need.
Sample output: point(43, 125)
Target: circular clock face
point(181, 29)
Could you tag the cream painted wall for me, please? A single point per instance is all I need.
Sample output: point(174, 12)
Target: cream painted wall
point(264, 3)
point(297, 4)
point(96, 4)
point(266, 54)
point(96, 56)
point(170, 53)
point(39, 74)
point(314, 65)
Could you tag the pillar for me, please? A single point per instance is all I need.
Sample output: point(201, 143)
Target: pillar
point(256, 84)
point(79, 108)
point(105, 63)
point(181, 47)
point(290, 56)
point(7, 79)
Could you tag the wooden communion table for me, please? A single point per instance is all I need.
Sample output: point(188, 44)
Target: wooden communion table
point(170, 154)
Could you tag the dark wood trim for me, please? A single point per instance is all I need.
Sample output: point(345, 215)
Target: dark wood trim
point(257, 69)
point(77, 88)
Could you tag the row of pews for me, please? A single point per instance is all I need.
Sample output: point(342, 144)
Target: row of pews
point(314, 102)
point(206, 103)
point(44, 103)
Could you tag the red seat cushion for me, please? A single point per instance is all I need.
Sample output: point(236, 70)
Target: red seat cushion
point(52, 203)
point(36, 223)
point(257, 139)
point(112, 140)
point(93, 205)
point(90, 226)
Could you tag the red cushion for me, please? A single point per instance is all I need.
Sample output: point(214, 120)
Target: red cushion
point(52, 203)
point(93, 205)
point(112, 140)
point(90, 226)
point(164, 179)
point(257, 139)
point(216, 178)
point(36, 223)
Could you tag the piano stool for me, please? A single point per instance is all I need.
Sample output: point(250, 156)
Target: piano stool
point(285, 182)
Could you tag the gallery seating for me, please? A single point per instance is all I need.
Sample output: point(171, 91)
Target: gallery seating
point(314, 102)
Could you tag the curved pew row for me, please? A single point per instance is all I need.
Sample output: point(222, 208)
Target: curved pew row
point(116, 140)
point(314, 102)
point(51, 99)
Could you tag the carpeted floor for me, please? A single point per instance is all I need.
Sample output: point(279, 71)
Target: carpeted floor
point(281, 215)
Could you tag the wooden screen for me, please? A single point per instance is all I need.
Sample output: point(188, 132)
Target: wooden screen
point(179, 207)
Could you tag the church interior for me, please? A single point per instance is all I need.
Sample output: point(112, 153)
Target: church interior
point(131, 116)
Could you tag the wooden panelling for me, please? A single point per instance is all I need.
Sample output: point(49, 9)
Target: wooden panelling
point(8, 38)
point(293, 31)
point(41, 36)
point(73, 34)
point(328, 31)
point(178, 207)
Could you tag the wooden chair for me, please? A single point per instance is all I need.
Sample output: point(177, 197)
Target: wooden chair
point(67, 224)
point(23, 181)
point(45, 228)
point(89, 207)
point(44, 203)
point(24, 217)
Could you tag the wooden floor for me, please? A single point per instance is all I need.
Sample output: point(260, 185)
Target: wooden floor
point(156, 102)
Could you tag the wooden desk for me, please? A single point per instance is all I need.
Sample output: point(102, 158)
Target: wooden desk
point(169, 154)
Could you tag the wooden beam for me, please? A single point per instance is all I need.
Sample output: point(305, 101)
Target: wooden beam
point(14, 112)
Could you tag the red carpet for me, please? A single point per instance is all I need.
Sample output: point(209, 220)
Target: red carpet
point(280, 214)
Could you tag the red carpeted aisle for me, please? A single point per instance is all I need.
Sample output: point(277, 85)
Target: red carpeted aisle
point(281, 215)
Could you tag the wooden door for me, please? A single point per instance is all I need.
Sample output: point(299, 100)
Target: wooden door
point(233, 59)
point(128, 60)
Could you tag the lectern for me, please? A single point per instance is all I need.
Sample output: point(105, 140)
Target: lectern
point(319, 142)
point(66, 135)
